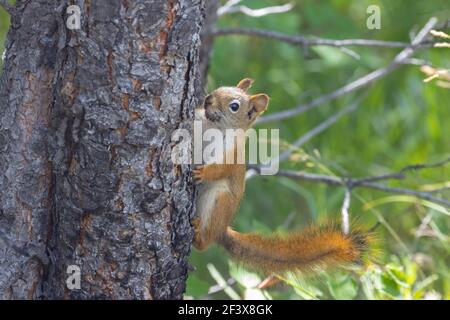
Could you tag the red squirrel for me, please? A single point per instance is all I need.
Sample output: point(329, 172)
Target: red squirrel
point(220, 190)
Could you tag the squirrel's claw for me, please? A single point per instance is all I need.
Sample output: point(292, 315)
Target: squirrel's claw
point(198, 175)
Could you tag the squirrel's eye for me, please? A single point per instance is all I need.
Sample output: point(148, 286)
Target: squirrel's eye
point(234, 106)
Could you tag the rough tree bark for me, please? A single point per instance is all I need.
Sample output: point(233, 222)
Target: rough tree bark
point(206, 48)
point(86, 177)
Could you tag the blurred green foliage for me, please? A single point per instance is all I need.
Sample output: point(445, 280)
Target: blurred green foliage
point(4, 26)
point(401, 121)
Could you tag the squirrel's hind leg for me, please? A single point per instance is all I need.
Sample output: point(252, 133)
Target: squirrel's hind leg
point(210, 225)
point(199, 243)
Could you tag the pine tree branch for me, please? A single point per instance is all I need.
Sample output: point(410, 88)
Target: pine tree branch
point(369, 182)
point(309, 42)
point(232, 7)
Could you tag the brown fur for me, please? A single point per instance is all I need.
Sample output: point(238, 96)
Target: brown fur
point(221, 187)
point(301, 251)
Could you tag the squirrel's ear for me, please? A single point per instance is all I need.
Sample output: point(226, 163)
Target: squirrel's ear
point(259, 102)
point(245, 84)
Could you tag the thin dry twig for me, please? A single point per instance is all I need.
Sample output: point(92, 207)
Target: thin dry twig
point(218, 288)
point(417, 62)
point(421, 230)
point(344, 211)
point(357, 183)
point(309, 42)
point(369, 182)
point(421, 166)
point(350, 53)
point(233, 8)
point(227, 6)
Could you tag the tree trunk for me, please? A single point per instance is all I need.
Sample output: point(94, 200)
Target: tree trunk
point(207, 45)
point(86, 176)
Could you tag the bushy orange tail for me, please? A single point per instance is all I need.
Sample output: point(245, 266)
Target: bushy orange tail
point(306, 251)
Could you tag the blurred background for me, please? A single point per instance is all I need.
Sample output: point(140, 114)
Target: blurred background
point(400, 121)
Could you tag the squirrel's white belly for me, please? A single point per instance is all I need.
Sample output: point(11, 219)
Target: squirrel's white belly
point(206, 199)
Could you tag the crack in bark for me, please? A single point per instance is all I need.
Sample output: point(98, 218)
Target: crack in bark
point(95, 116)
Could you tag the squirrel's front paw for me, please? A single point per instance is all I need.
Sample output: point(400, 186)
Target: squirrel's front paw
point(199, 174)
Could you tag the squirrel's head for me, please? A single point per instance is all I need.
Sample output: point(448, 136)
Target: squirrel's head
point(233, 107)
